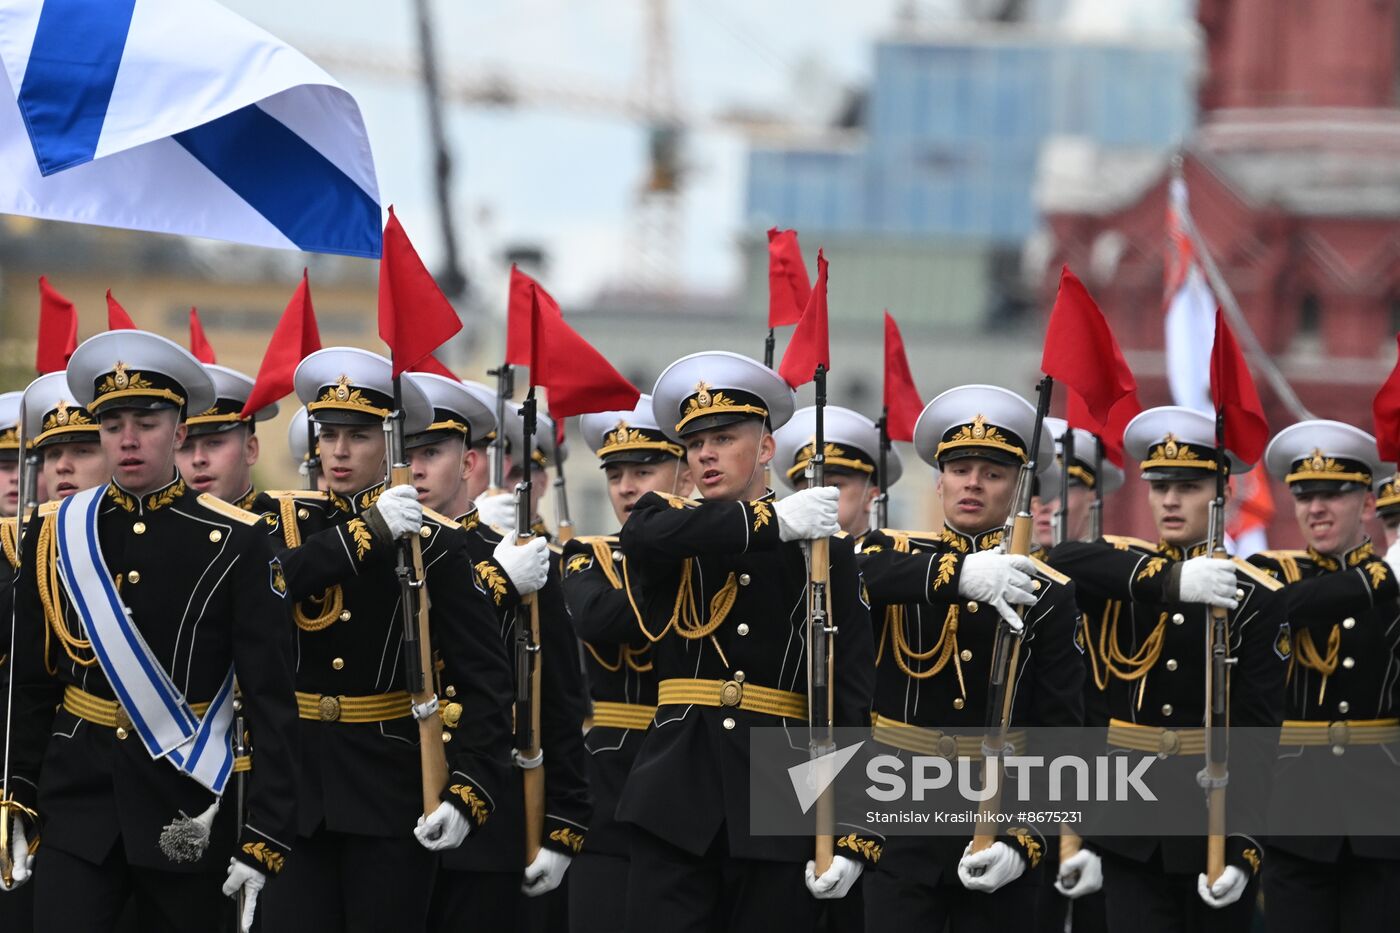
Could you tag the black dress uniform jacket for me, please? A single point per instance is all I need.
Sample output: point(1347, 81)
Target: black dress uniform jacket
point(1128, 589)
point(618, 665)
point(691, 777)
point(194, 572)
point(364, 778)
point(1344, 665)
point(568, 805)
point(913, 579)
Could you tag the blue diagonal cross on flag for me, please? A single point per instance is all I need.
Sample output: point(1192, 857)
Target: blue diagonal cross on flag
point(179, 116)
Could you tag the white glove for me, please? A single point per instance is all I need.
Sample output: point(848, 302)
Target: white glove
point(1080, 874)
point(1004, 580)
point(443, 829)
point(545, 872)
point(808, 514)
point(19, 851)
point(244, 877)
point(526, 564)
point(1226, 890)
point(993, 867)
point(1392, 557)
point(401, 511)
point(1209, 580)
point(836, 881)
point(497, 510)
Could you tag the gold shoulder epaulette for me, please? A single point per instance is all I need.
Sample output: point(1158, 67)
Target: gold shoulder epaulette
point(589, 540)
point(228, 509)
point(50, 507)
point(679, 502)
point(891, 532)
point(311, 495)
point(1123, 542)
point(1257, 574)
point(1284, 555)
point(1045, 570)
point(441, 519)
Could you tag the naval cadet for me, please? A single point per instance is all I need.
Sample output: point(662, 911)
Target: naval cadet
point(221, 443)
point(937, 597)
point(121, 742)
point(637, 458)
point(362, 862)
point(16, 910)
point(721, 586)
point(1388, 504)
point(851, 464)
point(9, 454)
point(1084, 480)
point(1147, 607)
point(1342, 714)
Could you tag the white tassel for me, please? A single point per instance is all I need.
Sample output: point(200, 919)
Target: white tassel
point(184, 839)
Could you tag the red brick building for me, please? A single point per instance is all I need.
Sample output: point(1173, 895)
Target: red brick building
point(1294, 180)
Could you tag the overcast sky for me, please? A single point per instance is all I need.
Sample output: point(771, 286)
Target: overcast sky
point(566, 179)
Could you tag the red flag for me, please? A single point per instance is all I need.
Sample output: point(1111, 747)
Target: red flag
point(117, 318)
point(58, 330)
point(523, 290)
point(415, 317)
point(431, 364)
point(1232, 388)
point(577, 377)
point(1386, 410)
point(789, 288)
point(810, 346)
point(199, 344)
point(902, 402)
point(1080, 350)
point(294, 339)
point(1110, 434)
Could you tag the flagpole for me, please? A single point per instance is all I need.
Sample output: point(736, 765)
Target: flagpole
point(561, 493)
point(821, 641)
point(1257, 355)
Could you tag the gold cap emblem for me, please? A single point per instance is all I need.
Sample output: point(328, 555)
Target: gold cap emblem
point(119, 376)
point(702, 394)
point(1317, 462)
point(979, 427)
point(1170, 448)
point(342, 388)
point(62, 417)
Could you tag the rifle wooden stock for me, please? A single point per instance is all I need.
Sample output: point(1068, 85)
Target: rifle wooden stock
point(533, 777)
point(1217, 767)
point(430, 735)
point(819, 572)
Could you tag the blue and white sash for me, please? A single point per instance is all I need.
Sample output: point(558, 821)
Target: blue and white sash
point(202, 749)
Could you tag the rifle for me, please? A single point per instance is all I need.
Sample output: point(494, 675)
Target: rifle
point(240, 786)
point(1062, 513)
point(882, 501)
point(28, 506)
point(413, 604)
point(496, 454)
point(528, 754)
point(1096, 508)
point(313, 456)
point(561, 493)
point(1216, 774)
point(1006, 651)
point(821, 643)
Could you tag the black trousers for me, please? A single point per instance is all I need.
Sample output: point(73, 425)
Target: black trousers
point(1351, 893)
point(342, 883)
point(671, 891)
point(75, 896)
point(17, 909)
point(472, 901)
point(1142, 898)
point(598, 893)
point(903, 901)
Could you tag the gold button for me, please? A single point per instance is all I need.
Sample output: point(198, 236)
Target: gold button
point(1348, 663)
point(1348, 623)
point(303, 514)
point(744, 579)
point(1035, 584)
point(139, 528)
point(742, 628)
point(1171, 664)
point(121, 733)
point(451, 691)
point(446, 737)
point(1239, 594)
point(1343, 707)
point(958, 703)
point(133, 576)
point(729, 722)
point(345, 615)
point(216, 536)
point(1178, 618)
point(338, 663)
point(738, 677)
point(425, 532)
point(616, 556)
point(1166, 709)
point(966, 655)
point(972, 607)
